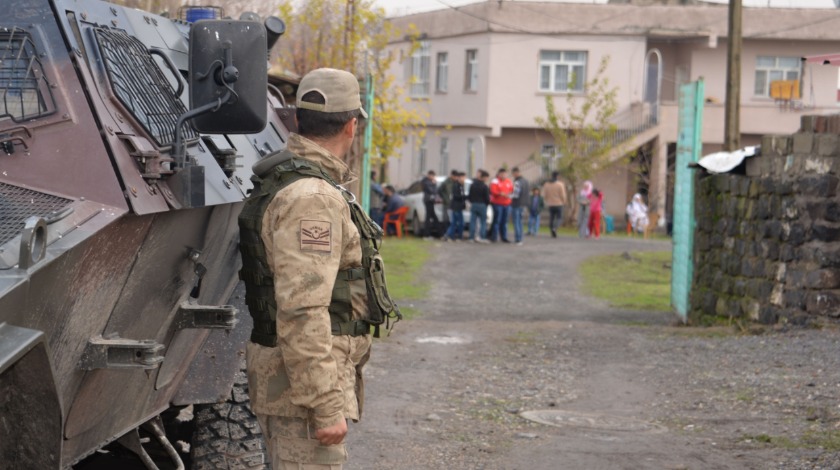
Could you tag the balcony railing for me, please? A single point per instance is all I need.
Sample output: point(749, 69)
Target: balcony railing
point(629, 123)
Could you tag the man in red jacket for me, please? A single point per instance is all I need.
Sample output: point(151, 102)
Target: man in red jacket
point(501, 189)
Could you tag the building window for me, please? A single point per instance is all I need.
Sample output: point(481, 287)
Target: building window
point(442, 79)
point(548, 151)
point(562, 71)
point(421, 156)
point(444, 155)
point(470, 156)
point(769, 69)
point(471, 78)
point(419, 66)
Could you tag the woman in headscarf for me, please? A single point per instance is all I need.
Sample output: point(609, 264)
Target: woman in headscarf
point(583, 209)
point(637, 213)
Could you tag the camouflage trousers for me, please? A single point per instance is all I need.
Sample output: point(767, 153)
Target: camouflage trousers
point(292, 445)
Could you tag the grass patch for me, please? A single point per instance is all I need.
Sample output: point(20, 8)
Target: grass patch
point(746, 396)
point(642, 282)
point(522, 337)
point(572, 231)
point(828, 440)
point(634, 323)
point(709, 332)
point(404, 257)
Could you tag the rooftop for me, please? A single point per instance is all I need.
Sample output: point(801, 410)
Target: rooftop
point(624, 20)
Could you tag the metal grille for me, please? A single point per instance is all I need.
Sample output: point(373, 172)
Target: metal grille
point(18, 204)
point(140, 85)
point(24, 88)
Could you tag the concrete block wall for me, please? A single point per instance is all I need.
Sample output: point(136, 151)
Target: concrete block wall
point(767, 244)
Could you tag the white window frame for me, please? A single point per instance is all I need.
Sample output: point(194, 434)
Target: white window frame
point(471, 71)
point(442, 73)
point(419, 70)
point(444, 155)
point(777, 71)
point(568, 65)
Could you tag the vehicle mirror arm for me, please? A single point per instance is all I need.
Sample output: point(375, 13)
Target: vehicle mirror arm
point(179, 151)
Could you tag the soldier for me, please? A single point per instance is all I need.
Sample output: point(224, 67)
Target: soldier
point(308, 251)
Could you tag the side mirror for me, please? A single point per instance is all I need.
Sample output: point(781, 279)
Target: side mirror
point(228, 67)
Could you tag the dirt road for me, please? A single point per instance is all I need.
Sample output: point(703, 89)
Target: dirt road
point(506, 332)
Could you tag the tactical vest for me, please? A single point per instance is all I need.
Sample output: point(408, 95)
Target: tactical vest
point(259, 281)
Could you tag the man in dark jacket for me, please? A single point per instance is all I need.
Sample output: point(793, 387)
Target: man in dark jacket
point(393, 200)
point(479, 198)
point(518, 203)
point(429, 196)
point(445, 193)
point(457, 205)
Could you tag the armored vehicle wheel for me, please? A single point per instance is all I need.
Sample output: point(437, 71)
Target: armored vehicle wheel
point(227, 435)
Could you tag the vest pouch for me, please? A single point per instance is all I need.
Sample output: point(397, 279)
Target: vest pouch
point(379, 302)
point(341, 304)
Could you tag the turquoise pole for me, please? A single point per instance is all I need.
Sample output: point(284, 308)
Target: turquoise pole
point(365, 183)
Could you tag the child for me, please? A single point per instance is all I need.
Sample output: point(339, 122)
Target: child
point(535, 206)
point(583, 209)
point(595, 201)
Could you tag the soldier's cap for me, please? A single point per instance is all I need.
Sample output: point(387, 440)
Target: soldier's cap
point(340, 90)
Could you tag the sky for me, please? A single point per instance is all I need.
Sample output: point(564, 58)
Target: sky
point(405, 7)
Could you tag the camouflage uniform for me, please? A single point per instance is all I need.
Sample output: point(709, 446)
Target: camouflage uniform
point(309, 381)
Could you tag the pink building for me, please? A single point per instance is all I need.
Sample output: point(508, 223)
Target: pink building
point(482, 73)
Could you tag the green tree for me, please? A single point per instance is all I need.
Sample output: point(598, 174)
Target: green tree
point(352, 35)
point(584, 135)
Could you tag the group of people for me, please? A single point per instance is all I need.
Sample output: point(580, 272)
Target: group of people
point(508, 199)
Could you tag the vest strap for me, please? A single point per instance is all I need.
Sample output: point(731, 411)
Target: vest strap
point(352, 274)
point(349, 328)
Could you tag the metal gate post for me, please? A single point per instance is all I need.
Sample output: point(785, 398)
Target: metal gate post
point(689, 146)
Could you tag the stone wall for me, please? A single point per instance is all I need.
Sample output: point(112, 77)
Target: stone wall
point(767, 244)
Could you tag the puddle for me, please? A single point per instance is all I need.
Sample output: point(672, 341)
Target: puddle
point(443, 339)
point(602, 422)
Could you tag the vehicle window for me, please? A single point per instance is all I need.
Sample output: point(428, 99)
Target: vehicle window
point(24, 86)
point(141, 87)
point(416, 187)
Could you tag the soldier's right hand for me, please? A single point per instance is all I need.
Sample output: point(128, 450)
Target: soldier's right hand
point(332, 435)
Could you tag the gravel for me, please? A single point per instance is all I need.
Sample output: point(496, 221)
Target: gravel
point(698, 397)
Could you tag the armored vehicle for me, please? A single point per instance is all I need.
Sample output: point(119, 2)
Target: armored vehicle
point(126, 142)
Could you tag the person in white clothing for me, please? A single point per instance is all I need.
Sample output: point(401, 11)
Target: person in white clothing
point(637, 213)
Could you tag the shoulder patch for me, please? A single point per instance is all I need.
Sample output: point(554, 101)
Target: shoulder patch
point(315, 235)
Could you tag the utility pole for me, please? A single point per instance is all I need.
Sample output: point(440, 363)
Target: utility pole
point(349, 32)
point(732, 127)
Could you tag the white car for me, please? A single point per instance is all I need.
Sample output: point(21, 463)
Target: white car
point(413, 198)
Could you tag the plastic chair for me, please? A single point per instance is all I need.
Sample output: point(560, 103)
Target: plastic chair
point(397, 219)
